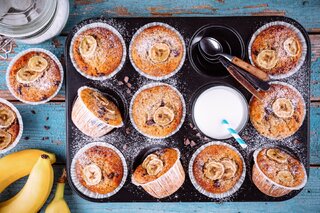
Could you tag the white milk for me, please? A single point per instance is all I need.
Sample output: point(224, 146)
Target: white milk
point(215, 104)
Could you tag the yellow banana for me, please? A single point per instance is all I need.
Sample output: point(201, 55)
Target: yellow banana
point(19, 164)
point(36, 190)
point(58, 204)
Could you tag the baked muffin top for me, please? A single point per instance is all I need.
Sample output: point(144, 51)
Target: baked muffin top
point(281, 112)
point(276, 50)
point(34, 77)
point(157, 111)
point(99, 169)
point(155, 165)
point(217, 168)
point(157, 50)
point(281, 167)
point(102, 107)
point(97, 52)
point(9, 126)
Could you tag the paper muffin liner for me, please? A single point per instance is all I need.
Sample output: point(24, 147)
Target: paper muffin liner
point(170, 28)
point(166, 184)
point(86, 121)
point(304, 47)
point(300, 96)
point(150, 85)
point(234, 189)
point(114, 31)
point(268, 186)
point(83, 189)
point(13, 61)
point(18, 115)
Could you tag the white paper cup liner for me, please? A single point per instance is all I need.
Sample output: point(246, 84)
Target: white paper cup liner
point(300, 97)
point(114, 31)
point(13, 61)
point(83, 189)
point(234, 189)
point(150, 85)
point(300, 36)
point(18, 115)
point(182, 59)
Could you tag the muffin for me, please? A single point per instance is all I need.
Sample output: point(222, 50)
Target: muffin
point(98, 170)
point(11, 126)
point(94, 114)
point(157, 110)
point(157, 51)
point(280, 113)
point(34, 76)
point(276, 172)
point(217, 170)
point(97, 51)
point(278, 48)
point(161, 173)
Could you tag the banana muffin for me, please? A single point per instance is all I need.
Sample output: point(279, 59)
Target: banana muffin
point(217, 170)
point(34, 76)
point(276, 172)
point(97, 51)
point(280, 113)
point(161, 173)
point(157, 110)
point(157, 51)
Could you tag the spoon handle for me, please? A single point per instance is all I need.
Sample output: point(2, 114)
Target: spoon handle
point(251, 69)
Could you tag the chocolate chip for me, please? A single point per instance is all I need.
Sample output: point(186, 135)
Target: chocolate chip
point(26, 138)
point(44, 98)
point(162, 103)
point(126, 79)
point(57, 83)
point(33, 112)
point(19, 89)
point(47, 118)
point(186, 141)
point(46, 127)
point(150, 122)
point(176, 53)
point(111, 175)
point(45, 138)
point(216, 183)
point(192, 144)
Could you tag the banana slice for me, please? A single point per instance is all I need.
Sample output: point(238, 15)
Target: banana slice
point(6, 117)
point(5, 139)
point(291, 46)
point(88, 46)
point(154, 166)
point(37, 63)
point(213, 170)
point(25, 76)
point(283, 108)
point(277, 155)
point(148, 159)
point(285, 177)
point(159, 52)
point(92, 174)
point(163, 116)
point(230, 168)
point(267, 59)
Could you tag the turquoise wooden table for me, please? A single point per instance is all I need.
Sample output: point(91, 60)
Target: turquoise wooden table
point(45, 124)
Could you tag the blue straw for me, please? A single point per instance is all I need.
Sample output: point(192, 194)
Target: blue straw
point(234, 133)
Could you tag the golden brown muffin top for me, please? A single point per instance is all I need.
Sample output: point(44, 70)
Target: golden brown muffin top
point(97, 52)
point(282, 50)
point(157, 111)
point(217, 168)
point(281, 167)
point(43, 86)
point(102, 107)
point(155, 165)
point(100, 169)
point(281, 112)
point(157, 51)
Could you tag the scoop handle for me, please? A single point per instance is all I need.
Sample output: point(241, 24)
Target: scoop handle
point(251, 69)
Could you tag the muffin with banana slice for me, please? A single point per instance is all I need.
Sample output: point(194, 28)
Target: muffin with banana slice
point(278, 48)
point(161, 173)
point(99, 170)
point(276, 172)
point(34, 76)
point(97, 51)
point(94, 114)
point(157, 51)
point(11, 126)
point(217, 170)
point(157, 110)
point(280, 113)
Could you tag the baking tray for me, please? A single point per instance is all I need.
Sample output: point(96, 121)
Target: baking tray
point(188, 81)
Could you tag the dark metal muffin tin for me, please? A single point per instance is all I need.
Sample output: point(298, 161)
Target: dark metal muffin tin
point(235, 33)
